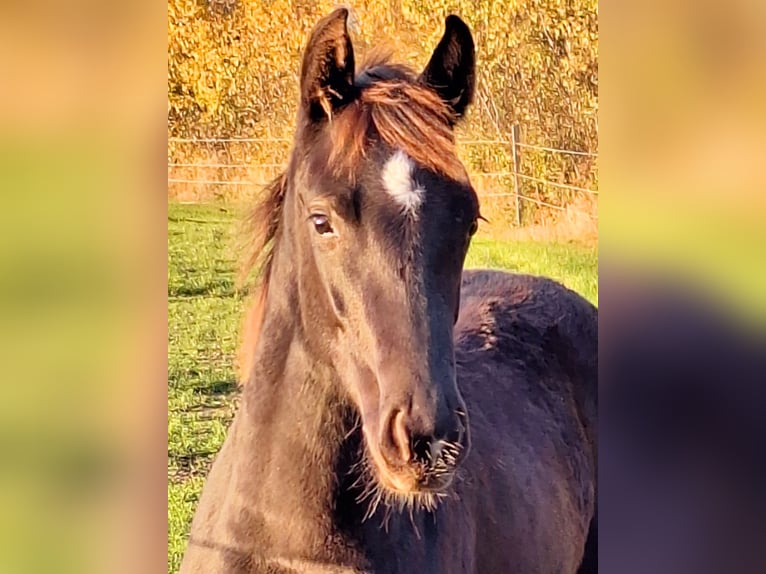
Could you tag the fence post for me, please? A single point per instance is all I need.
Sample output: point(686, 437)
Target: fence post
point(515, 153)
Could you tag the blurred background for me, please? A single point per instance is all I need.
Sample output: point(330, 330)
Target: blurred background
point(682, 278)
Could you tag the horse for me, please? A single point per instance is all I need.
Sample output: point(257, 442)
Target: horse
point(398, 414)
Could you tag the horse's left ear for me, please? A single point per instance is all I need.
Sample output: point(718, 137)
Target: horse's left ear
point(327, 72)
point(450, 71)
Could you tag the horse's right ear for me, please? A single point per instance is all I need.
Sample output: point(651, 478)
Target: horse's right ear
point(327, 73)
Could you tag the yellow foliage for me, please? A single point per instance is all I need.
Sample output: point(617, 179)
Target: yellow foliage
point(233, 72)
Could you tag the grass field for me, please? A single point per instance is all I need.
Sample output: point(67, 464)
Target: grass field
point(204, 315)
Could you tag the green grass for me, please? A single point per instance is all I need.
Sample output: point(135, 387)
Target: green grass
point(572, 264)
point(204, 312)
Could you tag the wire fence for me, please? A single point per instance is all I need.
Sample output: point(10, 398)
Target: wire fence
point(247, 164)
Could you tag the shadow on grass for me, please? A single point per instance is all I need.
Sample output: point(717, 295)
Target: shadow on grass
point(212, 289)
point(217, 388)
point(185, 466)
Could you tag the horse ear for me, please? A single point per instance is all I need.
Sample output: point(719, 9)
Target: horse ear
point(327, 72)
point(450, 71)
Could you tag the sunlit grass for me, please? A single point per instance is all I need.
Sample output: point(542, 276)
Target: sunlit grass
point(573, 265)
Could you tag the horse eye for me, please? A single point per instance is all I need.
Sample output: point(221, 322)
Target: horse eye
point(474, 227)
point(321, 224)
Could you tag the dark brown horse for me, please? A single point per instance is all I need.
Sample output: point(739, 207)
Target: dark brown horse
point(398, 414)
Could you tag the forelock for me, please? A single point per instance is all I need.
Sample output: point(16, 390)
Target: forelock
point(394, 108)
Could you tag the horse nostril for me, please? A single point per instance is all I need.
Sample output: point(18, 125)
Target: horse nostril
point(401, 446)
point(396, 438)
point(455, 437)
point(422, 450)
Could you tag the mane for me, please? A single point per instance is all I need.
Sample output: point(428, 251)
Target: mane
point(392, 107)
point(261, 226)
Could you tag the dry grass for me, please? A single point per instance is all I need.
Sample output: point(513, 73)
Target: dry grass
point(578, 223)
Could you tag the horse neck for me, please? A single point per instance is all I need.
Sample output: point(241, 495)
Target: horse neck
point(292, 437)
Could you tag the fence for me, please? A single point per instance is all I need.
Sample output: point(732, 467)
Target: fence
point(202, 168)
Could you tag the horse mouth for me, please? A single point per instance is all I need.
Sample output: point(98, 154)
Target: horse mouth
point(412, 480)
point(414, 477)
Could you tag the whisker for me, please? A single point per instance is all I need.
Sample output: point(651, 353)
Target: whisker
point(374, 495)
